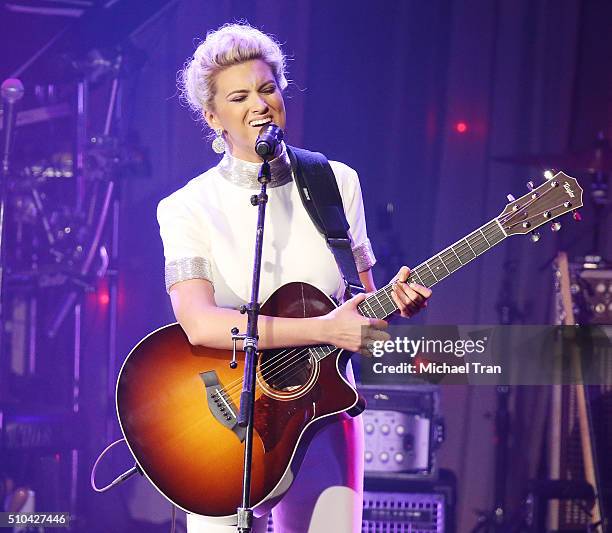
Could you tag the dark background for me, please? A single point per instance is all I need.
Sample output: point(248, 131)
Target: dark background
point(380, 86)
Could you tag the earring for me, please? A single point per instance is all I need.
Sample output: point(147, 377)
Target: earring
point(218, 144)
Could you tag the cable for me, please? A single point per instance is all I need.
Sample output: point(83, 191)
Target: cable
point(128, 473)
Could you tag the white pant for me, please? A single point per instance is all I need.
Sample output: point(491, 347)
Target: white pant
point(327, 493)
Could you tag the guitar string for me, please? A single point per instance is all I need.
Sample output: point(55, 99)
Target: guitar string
point(236, 385)
point(282, 365)
point(372, 301)
point(479, 236)
point(233, 391)
point(277, 360)
point(285, 365)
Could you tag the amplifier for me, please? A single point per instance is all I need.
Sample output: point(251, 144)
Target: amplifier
point(591, 290)
point(402, 430)
point(398, 506)
point(416, 506)
point(402, 512)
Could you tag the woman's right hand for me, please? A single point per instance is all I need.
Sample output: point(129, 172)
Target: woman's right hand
point(346, 328)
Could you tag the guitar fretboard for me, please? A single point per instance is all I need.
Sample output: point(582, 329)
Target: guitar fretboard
point(379, 304)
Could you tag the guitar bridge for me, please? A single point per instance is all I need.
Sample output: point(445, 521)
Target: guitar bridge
point(221, 405)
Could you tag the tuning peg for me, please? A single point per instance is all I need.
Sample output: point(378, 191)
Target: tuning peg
point(548, 175)
point(510, 197)
point(555, 226)
point(535, 236)
point(530, 185)
point(577, 216)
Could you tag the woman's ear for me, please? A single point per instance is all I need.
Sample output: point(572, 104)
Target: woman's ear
point(211, 119)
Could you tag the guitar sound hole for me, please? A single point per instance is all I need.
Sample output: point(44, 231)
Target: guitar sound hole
point(286, 370)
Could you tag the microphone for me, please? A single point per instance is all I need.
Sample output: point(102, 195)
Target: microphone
point(12, 91)
point(269, 138)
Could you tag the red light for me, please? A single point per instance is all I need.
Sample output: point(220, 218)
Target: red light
point(103, 298)
point(461, 127)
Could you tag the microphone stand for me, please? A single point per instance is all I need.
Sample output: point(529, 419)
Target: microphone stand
point(12, 92)
point(499, 520)
point(247, 396)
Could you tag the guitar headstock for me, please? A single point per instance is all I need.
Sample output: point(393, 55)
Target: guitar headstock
point(553, 198)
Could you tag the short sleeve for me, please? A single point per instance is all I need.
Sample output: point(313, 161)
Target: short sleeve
point(185, 240)
point(352, 201)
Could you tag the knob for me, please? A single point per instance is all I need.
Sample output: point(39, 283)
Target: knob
point(384, 457)
point(577, 216)
point(385, 429)
point(399, 457)
point(530, 185)
point(400, 430)
point(369, 456)
point(510, 197)
point(369, 428)
point(535, 236)
point(555, 226)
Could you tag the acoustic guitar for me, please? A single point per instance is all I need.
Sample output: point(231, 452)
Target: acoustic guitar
point(178, 404)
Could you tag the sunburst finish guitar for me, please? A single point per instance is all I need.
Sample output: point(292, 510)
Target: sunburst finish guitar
point(178, 404)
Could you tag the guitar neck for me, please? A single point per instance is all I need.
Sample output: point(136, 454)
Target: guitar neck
point(380, 304)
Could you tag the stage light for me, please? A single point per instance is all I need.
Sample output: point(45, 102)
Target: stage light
point(103, 298)
point(461, 127)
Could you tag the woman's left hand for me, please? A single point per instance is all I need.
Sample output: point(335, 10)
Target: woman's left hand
point(410, 298)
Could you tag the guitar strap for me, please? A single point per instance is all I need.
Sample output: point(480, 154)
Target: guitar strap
point(319, 192)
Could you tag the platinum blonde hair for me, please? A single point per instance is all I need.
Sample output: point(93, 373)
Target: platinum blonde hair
point(230, 45)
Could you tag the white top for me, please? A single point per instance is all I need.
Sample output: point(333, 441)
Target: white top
point(208, 231)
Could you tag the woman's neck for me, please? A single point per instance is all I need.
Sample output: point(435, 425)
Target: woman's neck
point(244, 173)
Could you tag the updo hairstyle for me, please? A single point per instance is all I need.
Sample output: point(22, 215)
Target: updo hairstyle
point(230, 45)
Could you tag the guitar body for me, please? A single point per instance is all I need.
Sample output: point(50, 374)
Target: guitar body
point(177, 407)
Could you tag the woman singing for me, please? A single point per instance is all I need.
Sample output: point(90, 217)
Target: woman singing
point(235, 80)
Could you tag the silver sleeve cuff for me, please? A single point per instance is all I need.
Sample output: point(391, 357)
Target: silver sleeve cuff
point(187, 268)
point(364, 256)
